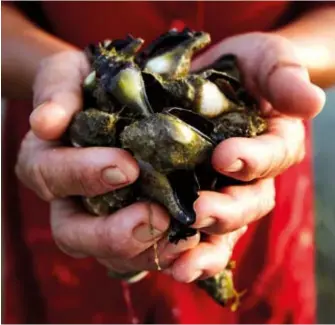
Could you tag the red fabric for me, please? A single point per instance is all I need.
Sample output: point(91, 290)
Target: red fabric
point(275, 258)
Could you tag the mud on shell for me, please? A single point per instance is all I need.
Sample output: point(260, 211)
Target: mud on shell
point(147, 101)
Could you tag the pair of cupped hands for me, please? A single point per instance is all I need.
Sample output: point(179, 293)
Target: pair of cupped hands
point(123, 241)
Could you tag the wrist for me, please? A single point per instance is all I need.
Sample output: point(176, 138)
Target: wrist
point(24, 47)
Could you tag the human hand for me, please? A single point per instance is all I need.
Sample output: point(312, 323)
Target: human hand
point(273, 74)
point(122, 241)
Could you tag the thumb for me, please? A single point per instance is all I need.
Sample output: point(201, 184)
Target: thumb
point(271, 69)
point(57, 93)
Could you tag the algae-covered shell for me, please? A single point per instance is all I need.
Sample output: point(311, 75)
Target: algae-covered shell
point(149, 103)
point(126, 47)
point(125, 83)
point(227, 63)
point(110, 202)
point(221, 287)
point(166, 142)
point(168, 190)
point(117, 49)
point(193, 92)
point(90, 81)
point(226, 84)
point(170, 55)
point(93, 127)
point(238, 124)
point(200, 95)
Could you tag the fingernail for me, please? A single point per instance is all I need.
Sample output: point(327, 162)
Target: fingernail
point(196, 275)
point(114, 176)
point(145, 233)
point(173, 250)
point(235, 167)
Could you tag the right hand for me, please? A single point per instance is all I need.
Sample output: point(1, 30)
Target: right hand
point(122, 241)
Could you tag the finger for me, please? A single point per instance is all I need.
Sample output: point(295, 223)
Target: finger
point(207, 259)
point(55, 172)
point(166, 253)
point(122, 235)
point(235, 207)
point(57, 93)
point(153, 259)
point(271, 69)
point(264, 156)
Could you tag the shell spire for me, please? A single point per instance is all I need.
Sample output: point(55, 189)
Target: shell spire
point(170, 120)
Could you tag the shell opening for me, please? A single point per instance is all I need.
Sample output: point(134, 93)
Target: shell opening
point(90, 79)
point(180, 180)
point(212, 101)
point(160, 64)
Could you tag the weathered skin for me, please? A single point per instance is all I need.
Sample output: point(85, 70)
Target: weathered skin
point(170, 120)
point(92, 128)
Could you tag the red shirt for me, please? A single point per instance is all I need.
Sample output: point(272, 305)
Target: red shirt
point(275, 258)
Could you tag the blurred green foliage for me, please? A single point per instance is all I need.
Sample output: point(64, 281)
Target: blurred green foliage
point(324, 167)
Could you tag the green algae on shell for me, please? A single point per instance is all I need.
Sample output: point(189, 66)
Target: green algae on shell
point(238, 124)
point(125, 83)
point(92, 128)
point(170, 54)
point(110, 202)
point(170, 120)
point(193, 92)
point(168, 190)
point(166, 142)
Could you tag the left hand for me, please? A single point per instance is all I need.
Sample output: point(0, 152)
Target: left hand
point(273, 74)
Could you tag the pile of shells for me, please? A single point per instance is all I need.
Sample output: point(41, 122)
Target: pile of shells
point(150, 104)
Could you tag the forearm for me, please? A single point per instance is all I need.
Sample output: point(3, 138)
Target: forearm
point(24, 45)
point(314, 37)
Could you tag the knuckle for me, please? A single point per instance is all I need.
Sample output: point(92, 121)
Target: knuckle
point(273, 57)
point(112, 245)
point(261, 202)
point(249, 175)
point(243, 214)
point(88, 182)
point(281, 158)
point(55, 68)
point(68, 250)
point(42, 188)
point(28, 169)
point(62, 238)
point(18, 170)
point(266, 200)
point(278, 159)
point(21, 162)
point(66, 236)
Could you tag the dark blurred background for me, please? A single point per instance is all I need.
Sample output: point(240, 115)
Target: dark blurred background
point(324, 166)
